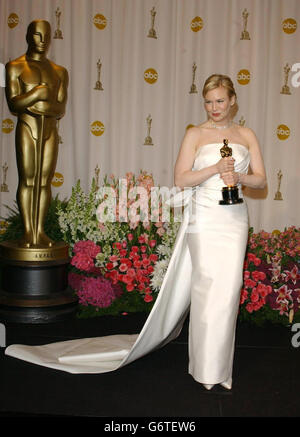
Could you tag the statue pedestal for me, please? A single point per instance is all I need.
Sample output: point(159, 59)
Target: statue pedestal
point(33, 291)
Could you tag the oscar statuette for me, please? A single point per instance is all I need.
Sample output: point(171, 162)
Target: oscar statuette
point(34, 268)
point(230, 193)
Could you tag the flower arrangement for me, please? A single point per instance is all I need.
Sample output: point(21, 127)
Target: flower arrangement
point(119, 265)
point(119, 257)
point(114, 247)
point(271, 288)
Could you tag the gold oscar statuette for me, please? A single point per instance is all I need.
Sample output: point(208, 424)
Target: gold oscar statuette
point(230, 193)
point(34, 269)
point(36, 92)
point(97, 173)
point(4, 187)
point(58, 32)
point(193, 89)
point(242, 121)
point(278, 195)
point(148, 140)
point(286, 89)
point(152, 31)
point(98, 85)
point(245, 34)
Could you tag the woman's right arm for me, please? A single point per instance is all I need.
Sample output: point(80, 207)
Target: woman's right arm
point(184, 176)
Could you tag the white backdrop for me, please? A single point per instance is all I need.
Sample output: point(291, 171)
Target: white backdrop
point(203, 33)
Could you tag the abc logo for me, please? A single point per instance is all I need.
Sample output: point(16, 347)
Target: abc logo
point(7, 125)
point(283, 132)
point(99, 21)
point(243, 77)
point(289, 25)
point(150, 75)
point(57, 180)
point(196, 24)
point(97, 128)
point(13, 20)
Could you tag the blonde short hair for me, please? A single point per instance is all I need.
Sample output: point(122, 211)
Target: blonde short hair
point(217, 80)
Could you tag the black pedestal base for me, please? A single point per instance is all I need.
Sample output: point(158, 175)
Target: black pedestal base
point(35, 292)
point(230, 196)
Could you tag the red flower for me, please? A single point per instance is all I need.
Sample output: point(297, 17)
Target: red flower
point(254, 295)
point(148, 298)
point(146, 262)
point(142, 239)
point(255, 275)
point(257, 261)
point(249, 283)
point(109, 266)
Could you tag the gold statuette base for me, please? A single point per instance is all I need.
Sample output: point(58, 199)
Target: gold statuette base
point(11, 250)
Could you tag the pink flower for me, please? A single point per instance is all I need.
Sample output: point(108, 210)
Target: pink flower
point(246, 274)
point(83, 262)
point(160, 231)
point(284, 294)
point(96, 292)
point(123, 267)
point(291, 275)
point(87, 247)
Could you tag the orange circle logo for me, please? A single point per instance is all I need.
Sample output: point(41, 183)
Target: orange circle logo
point(196, 24)
point(13, 20)
point(97, 128)
point(100, 21)
point(58, 180)
point(289, 25)
point(243, 77)
point(283, 132)
point(7, 126)
point(150, 75)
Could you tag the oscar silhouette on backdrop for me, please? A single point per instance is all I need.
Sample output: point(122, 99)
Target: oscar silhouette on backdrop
point(36, 91)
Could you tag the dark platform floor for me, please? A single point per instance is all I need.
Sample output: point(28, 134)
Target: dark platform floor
point(266, 377)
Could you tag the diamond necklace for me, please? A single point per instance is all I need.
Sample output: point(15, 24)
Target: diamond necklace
point(215, 126)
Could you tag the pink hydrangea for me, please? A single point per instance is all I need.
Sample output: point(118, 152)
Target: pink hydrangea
point(87, 247)
point(97, 292)
point(82, 261)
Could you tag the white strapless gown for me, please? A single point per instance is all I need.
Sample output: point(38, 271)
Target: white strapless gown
point(215, 239)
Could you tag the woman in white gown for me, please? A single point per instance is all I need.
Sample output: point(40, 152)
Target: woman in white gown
point(217, 234)
point(205, 270)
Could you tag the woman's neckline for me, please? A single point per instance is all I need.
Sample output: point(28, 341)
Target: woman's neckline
point(214, 144)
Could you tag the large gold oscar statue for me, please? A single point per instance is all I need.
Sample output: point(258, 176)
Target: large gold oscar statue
point(36, 92)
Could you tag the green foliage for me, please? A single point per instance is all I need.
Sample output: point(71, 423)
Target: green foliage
point(14, 228)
